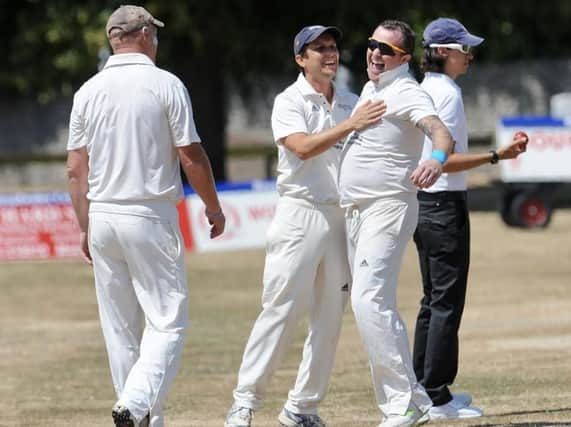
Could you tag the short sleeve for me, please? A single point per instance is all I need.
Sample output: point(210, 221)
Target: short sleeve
point(77, 137)
point(287, 117)
point(180, 116)
point(415, 104)
point(449, 112)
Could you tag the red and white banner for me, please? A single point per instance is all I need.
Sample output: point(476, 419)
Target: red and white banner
point(248, 215)
point(43, 225)
point(37, 226)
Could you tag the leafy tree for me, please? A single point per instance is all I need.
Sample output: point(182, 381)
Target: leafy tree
point(52, 46)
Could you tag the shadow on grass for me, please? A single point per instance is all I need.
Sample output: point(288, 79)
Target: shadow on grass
point(530, 424)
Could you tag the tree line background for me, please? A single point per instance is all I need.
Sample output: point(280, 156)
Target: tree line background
point(50, 47)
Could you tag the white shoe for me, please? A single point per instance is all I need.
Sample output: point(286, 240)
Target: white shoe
point(463, 399)
point(289, 419)
point(454, 410)
point(412, 417)
point(239, 416)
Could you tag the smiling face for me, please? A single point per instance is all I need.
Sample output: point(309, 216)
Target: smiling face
point(377, 62)
point(320, 58)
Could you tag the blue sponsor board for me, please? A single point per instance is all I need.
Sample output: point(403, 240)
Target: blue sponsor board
point(532, 121)
point(255, 185)
point(19, 199)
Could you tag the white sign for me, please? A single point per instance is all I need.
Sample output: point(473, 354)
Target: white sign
point(248, 216)
point(547, 159)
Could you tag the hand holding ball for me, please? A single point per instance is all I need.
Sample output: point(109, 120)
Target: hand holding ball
point(522, 146)
point(521, 134)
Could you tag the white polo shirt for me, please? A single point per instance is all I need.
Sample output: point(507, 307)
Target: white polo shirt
point(447, 97)
point(301, 109)
point(131, 116)
point(378, 161)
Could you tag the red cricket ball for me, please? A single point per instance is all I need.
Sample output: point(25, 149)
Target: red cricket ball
point(521, 134)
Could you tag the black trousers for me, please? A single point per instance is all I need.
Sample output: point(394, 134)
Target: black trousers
point(442, 239)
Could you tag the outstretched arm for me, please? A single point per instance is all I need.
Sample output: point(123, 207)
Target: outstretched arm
point(463, 161)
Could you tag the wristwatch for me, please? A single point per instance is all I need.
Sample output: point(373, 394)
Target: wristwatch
point(495, 157)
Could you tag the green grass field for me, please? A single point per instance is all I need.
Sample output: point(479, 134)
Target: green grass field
point(515, 338)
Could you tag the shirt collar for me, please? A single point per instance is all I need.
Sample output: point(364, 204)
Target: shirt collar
point(442, 76)
point(128, 59)
point(306, 89)
point(390, 76)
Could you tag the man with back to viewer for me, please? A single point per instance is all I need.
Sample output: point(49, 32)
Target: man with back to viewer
point(131, 127)
point(306, 268)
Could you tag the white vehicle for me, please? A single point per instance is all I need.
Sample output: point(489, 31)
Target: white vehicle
point(530, 181)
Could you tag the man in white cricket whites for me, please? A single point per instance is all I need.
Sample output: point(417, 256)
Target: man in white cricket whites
point(378, 176)
point(442, 236)
point(130, 126)
point(306, 266)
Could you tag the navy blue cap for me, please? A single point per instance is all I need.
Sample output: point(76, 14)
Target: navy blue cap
point(447, 30)
point(308, 34)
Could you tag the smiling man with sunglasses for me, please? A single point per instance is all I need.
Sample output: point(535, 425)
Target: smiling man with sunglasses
point(378, 181)
point(442, 236)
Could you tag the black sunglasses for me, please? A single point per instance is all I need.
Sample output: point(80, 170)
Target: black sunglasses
point(385, 48)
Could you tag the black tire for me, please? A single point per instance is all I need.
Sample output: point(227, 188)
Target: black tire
point(530, 210)
point(505, 211)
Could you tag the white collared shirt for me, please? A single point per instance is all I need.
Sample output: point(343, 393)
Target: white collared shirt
point(132, 116)
point(378, 161)
point(301, 109)
point(447, 97)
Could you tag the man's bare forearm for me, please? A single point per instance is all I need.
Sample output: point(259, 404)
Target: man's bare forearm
point(77, 171)
point(441, 138)
point(198, 171)
point(458, 162)
point(306, 146)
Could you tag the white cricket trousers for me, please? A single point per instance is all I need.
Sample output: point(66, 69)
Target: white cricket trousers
point(306, 271)
point(140, 281)
point(378, 233)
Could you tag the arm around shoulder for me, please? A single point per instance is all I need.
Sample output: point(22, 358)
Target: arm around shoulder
point(305, 146)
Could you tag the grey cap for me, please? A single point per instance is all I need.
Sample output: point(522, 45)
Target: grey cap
point(129, 18)
point(309, 34)
point(448, 30)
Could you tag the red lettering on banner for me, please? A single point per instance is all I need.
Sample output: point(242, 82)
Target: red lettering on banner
point(9, 216)
point(38, 231)
point(556, 141)
point(258, 213)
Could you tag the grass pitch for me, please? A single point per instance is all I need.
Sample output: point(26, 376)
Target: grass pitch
point(515, 338)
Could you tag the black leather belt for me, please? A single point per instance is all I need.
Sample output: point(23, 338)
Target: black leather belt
point(442, 196)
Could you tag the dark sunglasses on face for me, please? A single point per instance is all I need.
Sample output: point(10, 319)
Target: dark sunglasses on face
point(385, 48)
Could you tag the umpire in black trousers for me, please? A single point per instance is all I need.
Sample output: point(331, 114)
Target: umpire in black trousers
point(442, 238)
